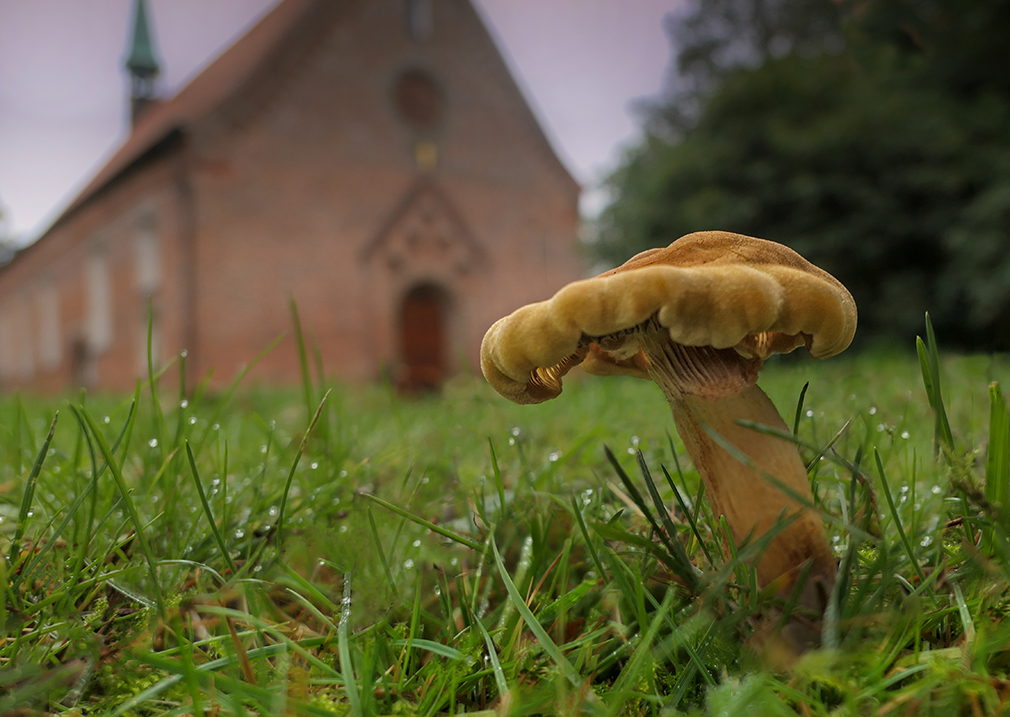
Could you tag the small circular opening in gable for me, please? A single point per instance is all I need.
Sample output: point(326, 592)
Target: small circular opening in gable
point(418, 99)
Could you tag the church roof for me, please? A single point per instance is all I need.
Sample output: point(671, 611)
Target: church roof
point(202, 95)
point(208, 91)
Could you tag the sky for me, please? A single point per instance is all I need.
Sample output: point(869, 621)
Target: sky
point(583, 65)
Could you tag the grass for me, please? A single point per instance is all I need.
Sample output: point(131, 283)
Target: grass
point(328, 550)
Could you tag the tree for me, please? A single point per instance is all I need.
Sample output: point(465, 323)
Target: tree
point(891, 176)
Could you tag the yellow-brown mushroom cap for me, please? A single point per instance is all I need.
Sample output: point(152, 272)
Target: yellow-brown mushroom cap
point(714, 289)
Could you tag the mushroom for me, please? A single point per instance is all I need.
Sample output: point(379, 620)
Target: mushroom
point(698, 317)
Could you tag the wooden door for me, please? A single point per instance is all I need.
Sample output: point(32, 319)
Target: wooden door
point(422, 339)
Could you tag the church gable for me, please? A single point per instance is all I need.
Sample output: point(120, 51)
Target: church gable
point(426, 235)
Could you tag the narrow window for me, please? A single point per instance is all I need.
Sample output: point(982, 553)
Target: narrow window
point(48, 307)
point(148, 258)
point(420, 19)
point(99, 301)
point(23, 339)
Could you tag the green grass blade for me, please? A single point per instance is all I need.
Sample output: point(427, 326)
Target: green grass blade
point(897, 518)
point(532, 623)
point(672, 541)
point(632, 672)
point(152, 385)
point(593, 553)
point(673, 560)
point(303, 357)
point(499, 484)
point(997, 464)
point(344, 649)
point(444, 532)
point(29, 492)
point(687, 514)
point(294, 467)
point(929, 364)
point(208, 512)
point(492, 652)
point(799, 408)
point(382, 553)
point(131, 507)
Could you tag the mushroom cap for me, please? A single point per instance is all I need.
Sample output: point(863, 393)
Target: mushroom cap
point(715, 289)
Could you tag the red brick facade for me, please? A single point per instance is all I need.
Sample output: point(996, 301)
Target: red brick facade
point(396, 186)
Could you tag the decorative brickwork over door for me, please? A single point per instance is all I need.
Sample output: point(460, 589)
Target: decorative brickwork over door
point(422, 339)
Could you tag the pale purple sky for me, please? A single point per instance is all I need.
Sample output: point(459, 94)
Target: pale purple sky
point(580, 63)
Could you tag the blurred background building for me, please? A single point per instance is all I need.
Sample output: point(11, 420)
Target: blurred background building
point(372, 162)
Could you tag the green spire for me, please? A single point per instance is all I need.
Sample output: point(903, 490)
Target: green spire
point(141, 61)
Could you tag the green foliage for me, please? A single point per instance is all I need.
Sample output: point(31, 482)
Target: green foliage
point(417, 568)
point(871, 162)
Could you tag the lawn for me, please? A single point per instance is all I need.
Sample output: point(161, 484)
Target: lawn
point(334, 550)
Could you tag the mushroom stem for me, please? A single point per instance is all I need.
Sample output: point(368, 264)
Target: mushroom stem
point(750, 502)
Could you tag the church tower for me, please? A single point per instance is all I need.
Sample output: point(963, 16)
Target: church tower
point(141, 63)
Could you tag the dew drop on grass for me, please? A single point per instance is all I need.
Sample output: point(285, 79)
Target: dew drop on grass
point(184, 353)
point(314, 465)
point(272, 512)
point(52, 452)
point(184, 403)
point(107, 419)
point(631, 451)
point(927, 541)
point(454, 562)
point(336, 501)
point(904, 434)
point(56, 469)
point(438, 591)
point(343, 474)
point(343, 528)
point(516, 431)
point(554, 456)
point(873, 410)
point(263, 448)
point(417, 543)
point(153, 443)
point(880, 428)
point(216, 427)
point(408, 563)
point(239, 534)
point(192, 420)
point(512, 441)
point(935, 490)
point(1, 519)
point(810, 413)
point(425, 480)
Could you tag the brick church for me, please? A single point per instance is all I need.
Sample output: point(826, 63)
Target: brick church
point(371, 159)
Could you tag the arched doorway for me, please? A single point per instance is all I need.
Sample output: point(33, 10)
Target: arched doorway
point(423, 333)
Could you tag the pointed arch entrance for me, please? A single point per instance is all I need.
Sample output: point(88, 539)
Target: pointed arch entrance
point(424, 324)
